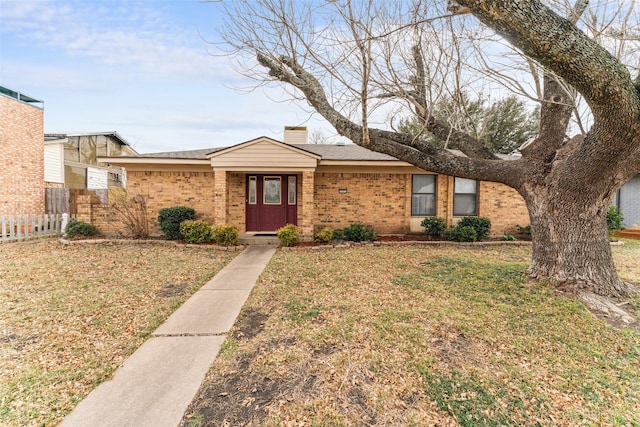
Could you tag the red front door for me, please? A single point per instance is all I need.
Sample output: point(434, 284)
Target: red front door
point(271, 202)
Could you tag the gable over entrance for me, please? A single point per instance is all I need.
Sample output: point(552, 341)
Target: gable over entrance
point(273, 171)
point(264, 155)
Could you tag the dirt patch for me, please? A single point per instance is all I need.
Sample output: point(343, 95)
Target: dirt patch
point(172, 290)
point(17, 342)
point(241, 396)
point(235, 399)
point(250, 324)
point(453, 349)
point(244, 395)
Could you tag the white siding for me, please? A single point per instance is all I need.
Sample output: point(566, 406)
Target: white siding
point(54, 163)
point(97, 178)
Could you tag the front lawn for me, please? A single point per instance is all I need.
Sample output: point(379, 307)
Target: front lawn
point(70, 315)
point(420, 336)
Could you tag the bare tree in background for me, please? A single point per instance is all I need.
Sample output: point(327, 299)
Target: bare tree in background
point(318, 137)
point(358, 63)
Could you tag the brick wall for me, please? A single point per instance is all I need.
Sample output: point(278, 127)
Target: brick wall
point(380, 200)
point(503, 206)
point(170, 188)
point(21, 157)
point(236, 194)
point(372, 198)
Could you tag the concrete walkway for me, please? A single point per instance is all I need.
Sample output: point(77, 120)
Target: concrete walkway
point(155, 384)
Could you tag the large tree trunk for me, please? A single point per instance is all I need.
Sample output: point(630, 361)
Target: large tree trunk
point(571, 245)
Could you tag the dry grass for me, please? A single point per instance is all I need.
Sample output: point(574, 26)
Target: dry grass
point(70, 315)
point(420, 336)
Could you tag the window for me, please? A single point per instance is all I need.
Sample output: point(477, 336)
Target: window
point(272, 191)
point(253, 190)
point(423, 195)
point(465, 197)
point(292, 190)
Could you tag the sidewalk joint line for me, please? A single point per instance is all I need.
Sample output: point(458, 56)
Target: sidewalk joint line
point(187, 334)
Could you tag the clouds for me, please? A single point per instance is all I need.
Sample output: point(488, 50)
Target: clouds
point(141, 68)
point(144, 36)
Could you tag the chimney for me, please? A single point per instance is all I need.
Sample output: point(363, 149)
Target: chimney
point(295, 135)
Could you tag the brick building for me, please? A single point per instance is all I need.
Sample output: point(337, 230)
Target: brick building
point(21, 154)
point(263, 184)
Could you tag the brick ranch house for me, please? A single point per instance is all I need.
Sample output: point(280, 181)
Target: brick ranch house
point(262, 184)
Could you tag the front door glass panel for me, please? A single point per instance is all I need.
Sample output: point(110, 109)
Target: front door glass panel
point(272, 190)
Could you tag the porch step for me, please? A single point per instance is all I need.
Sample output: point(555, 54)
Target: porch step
point(259, 239)
point(629, 233)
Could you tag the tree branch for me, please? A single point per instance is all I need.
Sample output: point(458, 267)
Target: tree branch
point(470, 146)
point(399, 145)
point(561, 47)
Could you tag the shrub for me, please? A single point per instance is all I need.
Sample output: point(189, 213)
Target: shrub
point(170, 219)
point(338, 235)
point(434, 226)
point(614, 218)
point(80, 229)
point(462, 233)
point(359, 232)
point(226, 235)
point(289, 235)
point(131, 210)
point(508, 238)
point(196, 231)
point(526, 230)
point(325, 235)
point(482, 226)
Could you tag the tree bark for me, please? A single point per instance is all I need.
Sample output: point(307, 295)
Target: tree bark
point(571, 245)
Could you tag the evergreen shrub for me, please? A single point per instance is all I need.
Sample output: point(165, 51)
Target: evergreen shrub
point(324, 236)
point(482, 226)
point(76, 229)
point(614, 219)
point(226, 235)
point(462, 233)
point(434, 226)
point(196, 231)
point(289, 235)
point(170, 219)
point(359, 232)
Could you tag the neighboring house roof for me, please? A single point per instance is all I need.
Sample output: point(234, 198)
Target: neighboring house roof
point(200, 154)
point(20, 96)
point(53, 136)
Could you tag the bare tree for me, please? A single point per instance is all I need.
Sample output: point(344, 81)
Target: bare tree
point(318, 137)
point(356, 62)
point(131, 211)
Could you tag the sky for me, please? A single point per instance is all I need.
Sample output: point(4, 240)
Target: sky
point(142, 68)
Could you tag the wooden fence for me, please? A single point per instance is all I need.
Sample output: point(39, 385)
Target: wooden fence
point(15, 228)
point(64, 200)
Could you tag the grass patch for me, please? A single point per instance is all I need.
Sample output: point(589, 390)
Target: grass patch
point(70, 315)
point(422, 336)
